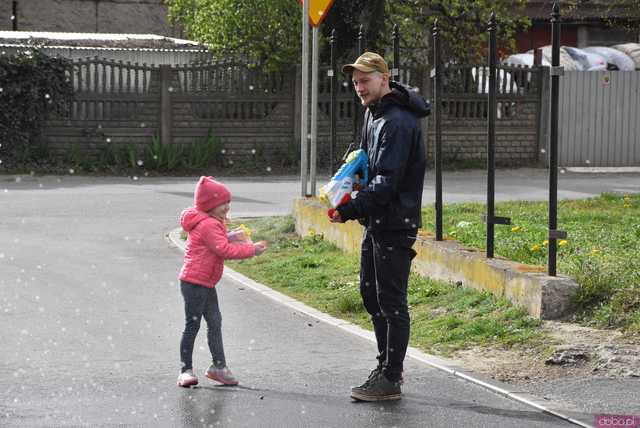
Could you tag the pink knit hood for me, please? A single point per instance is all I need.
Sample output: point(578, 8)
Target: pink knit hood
point(209, 194)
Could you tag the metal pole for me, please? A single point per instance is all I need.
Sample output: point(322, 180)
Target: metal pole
point(491, 135)
point(395, 73)
point(333, 124)
point(14, 16)
point(314, 110)
point(357, 110)
point(553, 142)
point(304, 126)
point(437, 93)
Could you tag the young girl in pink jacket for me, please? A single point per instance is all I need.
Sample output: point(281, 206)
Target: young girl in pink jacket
point(208, 245)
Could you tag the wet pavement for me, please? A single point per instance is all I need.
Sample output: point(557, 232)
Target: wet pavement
point(91, 316)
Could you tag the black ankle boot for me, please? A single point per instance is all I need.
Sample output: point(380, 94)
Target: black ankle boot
point(377, 388)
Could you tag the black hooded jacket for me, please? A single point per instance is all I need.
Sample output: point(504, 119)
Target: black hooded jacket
point(392, 138)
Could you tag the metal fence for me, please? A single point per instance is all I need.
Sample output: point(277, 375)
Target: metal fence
point(599, 119)
point(495, 92)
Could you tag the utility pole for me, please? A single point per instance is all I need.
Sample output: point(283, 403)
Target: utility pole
point(304, 126)
point(314, 110)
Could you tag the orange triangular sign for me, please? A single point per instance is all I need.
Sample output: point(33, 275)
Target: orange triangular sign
point(318, 9)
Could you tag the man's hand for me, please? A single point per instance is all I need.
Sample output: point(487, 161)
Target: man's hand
point(336, 218)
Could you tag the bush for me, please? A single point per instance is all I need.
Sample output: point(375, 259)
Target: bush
point(203, 153)
point(159, 156)
point(32, 86)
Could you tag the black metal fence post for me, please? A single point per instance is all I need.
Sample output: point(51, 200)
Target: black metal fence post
point(357, 110)
point(556, 72)
point(14, 15)
point(361, 40)
point(490, 217)
point(395, 72)
point(437, 93)
point(333, 77)
point(491, 135)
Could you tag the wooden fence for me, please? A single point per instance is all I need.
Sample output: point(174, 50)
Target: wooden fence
point(248, 109)
point(519, 113)
point(252, 111)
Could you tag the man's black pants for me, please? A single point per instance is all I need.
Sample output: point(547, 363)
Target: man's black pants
point(384, 274)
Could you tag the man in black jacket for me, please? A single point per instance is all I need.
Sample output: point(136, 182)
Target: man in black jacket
point(389, 208)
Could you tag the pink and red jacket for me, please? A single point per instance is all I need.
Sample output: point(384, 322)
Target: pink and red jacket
point(207, 248)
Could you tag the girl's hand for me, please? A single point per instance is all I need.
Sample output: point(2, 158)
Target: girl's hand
point(237, 235)
point(240, 234)
point(260, 247)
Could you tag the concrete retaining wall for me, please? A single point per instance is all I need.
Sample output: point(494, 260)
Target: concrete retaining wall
point(543, 296)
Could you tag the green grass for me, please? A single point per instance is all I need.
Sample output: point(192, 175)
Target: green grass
point(445, 318)
point(601, 251)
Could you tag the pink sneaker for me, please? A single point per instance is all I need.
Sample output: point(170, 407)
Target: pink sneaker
point(187, 379)
point(223, 375)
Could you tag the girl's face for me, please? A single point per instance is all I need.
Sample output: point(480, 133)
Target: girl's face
point(220, 211)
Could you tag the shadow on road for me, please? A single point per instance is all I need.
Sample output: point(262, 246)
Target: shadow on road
point(201, 400)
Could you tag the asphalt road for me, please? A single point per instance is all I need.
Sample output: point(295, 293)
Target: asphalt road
point(91, 315)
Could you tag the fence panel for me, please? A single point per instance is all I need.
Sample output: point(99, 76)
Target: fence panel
point(599, 124)
point(345, 111)
point(115, 104)
point(109, 90)
point(253, 111)
point(464, 114)
point(249, 109)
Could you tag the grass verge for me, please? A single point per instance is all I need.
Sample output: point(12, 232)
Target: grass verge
point(601, 251)
point(444, 318)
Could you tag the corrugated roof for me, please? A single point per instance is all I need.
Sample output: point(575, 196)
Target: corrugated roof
point(103, 40)
point(591, 10)
point(99, 48)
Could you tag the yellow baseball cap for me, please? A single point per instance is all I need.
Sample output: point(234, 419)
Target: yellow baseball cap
point(367, 62)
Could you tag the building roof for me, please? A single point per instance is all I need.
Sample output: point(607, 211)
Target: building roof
point(587, 10)
point(96, 40)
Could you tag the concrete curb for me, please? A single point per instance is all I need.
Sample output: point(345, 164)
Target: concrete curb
point(546, 406)
point(604, 170)
point(529, 287)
